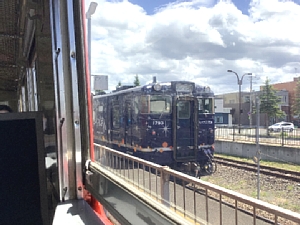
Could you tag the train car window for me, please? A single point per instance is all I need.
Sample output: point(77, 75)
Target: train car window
point(128, 115)
point(116, 116)
point(144, 104)
point(205, 105)
point(183, 109)
point(160, 104)
point(200, 105)
point(136, 104)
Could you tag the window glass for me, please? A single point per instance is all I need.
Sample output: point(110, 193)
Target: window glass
point(183, 109)
point(219, 119)
point(128, 113)
point(136, 104)
point(205, 105)
point(247, 98)
point(144, 104)
point(160, 104)
point(156, 104)
point(116, 115)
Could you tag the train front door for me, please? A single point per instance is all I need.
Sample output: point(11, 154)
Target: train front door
point(185, 129)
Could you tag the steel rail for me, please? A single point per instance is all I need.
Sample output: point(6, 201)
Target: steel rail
point(267, 170)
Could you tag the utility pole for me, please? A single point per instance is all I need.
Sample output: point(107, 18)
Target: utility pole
point(258, 154)
point(250, 111)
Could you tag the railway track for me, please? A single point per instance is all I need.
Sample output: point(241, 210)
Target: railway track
point(267, 170)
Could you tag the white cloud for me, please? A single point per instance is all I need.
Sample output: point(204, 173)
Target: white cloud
point(196, 40)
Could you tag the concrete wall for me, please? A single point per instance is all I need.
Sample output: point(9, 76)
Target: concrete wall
point(271, 153)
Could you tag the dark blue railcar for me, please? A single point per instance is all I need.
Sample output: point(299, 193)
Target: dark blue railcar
point(170, 123)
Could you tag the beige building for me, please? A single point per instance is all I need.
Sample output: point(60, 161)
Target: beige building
point(248, 118)
point(231, 100)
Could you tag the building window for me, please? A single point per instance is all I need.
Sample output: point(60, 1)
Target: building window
point(284, 99)
point(218, 119)
point(247, 98)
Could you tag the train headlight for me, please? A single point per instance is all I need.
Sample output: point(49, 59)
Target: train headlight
point(157, 87)
point(206, 89)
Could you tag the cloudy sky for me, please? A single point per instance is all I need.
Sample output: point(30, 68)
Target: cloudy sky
point(196, 40)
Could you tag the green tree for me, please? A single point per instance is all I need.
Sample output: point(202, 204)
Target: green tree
point(136, 81)
point(119, 85)
point(100, 92)
point(296, 105)
point(269, 102)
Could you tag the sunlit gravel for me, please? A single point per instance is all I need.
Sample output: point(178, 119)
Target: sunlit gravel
point(280, 192)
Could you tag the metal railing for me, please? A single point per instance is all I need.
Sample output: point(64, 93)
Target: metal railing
point(197, 201)
point(282, 138)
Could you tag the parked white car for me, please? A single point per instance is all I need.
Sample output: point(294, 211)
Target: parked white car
point(285, 126)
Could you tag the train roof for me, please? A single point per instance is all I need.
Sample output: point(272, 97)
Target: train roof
point(180, 87)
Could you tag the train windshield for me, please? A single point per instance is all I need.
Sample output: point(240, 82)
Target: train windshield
point(206, 105)
point(156, 104)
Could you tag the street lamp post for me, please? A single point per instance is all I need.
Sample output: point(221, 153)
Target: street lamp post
point(240, 82)
point(89, 13)
point(250, 111)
